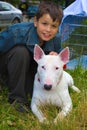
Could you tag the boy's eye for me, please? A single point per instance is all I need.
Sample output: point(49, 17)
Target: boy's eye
point(44, 23)
point(54, 26)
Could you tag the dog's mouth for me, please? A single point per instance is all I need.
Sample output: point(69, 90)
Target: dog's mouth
point(47, 87)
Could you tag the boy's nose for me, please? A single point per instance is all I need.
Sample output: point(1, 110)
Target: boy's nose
point(48, 28)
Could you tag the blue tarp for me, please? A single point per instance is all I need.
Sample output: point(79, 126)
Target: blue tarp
point(73, 14)
point(76, 8)
point(79, 61)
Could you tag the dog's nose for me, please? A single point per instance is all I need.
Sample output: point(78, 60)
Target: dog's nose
point(47, 87)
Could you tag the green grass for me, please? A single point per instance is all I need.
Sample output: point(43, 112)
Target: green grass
point(10, 119)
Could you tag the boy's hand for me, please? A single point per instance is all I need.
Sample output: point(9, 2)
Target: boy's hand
point(53, 53)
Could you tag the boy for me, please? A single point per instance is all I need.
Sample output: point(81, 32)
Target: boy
point(16, 48)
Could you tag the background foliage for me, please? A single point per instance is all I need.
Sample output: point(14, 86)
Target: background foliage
point(62, 2)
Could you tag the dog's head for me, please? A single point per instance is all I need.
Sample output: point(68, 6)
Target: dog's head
point(50, 67)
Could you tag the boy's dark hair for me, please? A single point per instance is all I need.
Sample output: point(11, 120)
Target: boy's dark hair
point(51, 8)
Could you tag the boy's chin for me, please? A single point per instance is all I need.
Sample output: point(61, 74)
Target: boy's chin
point(46, 39)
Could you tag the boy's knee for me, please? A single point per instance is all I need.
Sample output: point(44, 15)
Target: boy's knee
point(22, 51)
point(19, 55)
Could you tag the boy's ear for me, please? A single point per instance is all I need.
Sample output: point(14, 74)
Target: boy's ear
point(35, 21)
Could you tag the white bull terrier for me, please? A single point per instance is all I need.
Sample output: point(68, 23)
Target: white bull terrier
point(51, 83)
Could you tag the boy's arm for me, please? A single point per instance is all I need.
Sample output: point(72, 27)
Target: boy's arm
point(10, 37)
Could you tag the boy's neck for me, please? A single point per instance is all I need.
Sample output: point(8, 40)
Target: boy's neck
point(41, 42)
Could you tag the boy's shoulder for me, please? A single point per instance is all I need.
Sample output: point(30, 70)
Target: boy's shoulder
point(21, 25)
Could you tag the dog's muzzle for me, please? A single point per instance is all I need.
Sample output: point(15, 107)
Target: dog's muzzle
point(47, 87)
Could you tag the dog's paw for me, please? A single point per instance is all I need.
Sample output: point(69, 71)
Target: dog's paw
point(44, 120)
point(59, 117)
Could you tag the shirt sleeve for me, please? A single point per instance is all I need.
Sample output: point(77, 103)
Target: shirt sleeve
point(10, 37)
point(6, 37)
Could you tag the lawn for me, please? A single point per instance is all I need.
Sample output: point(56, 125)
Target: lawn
point(10, 119)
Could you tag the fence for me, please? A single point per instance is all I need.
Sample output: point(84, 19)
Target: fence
point(74, 34)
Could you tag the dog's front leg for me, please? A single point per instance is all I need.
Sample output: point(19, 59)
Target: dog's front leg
point(65, 110)
point(38, 113)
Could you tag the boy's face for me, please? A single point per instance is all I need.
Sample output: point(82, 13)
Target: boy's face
point(46, 27)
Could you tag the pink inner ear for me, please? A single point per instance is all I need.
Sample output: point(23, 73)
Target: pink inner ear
point(38, 52)
point(64, 54)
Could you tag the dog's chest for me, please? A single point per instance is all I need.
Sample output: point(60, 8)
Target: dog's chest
point(48, 97)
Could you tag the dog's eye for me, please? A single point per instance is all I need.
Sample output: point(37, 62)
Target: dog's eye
point(57, 68)
point(43, 67)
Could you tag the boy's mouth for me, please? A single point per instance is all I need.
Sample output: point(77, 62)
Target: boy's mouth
point(47, 36)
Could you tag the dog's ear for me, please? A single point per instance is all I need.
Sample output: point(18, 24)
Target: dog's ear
point(64, 55)
point(38, 53)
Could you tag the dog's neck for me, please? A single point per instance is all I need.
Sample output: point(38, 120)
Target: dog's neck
point(60, 78)
point(38, 79)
